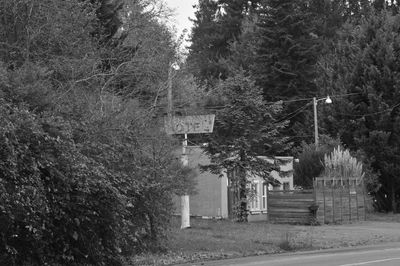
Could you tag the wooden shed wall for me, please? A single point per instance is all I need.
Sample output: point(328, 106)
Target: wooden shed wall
point(290, 206)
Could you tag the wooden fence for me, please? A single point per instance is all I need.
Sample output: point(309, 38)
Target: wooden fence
point(339, 201)
point(291, 206)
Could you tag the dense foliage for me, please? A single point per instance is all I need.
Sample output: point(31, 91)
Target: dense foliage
point(340, 164)
point(310, 161)
point(295, 50)
point(245, 129)
point(56, 204)
point(87, 174)
point(365, 63)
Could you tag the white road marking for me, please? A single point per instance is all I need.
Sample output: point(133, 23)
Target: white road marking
point(369, 262)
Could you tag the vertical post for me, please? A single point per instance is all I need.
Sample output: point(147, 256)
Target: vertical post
point(185, 209)
point(315, 214)
point(356, 190)
point(341, 202)
point(365, 204)
point(185, 204)
point(323, 195)
point(315, 122)
point(333, 202)
point(349, 201)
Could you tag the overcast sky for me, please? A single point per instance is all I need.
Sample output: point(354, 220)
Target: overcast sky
point(183, 10)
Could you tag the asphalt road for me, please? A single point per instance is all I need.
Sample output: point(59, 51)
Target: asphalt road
point(382, 255)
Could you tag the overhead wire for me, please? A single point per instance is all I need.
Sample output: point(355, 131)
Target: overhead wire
point(294, 113)
point(274, 102)
point(371, 114)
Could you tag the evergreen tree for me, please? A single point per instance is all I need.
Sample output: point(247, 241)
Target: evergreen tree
point(207, 44)
point(244, 130)
point(365, 63)
point(217, 23)
point(286, 56)
point(287, 51)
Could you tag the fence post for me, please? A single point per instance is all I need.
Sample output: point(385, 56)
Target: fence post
point(349, 185)
point(341, 202)
point(365, 203)
point(355, 189)
point(315, 201)
point(333, 201)
point(323, 195)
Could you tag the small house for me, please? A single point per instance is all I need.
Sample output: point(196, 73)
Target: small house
point(215, 195)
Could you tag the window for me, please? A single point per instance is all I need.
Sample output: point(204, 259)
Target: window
point(259, 192)
point(255, 203)
point(264, 196)
point(286, 186)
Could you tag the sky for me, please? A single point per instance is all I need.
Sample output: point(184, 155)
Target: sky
point(183, 10)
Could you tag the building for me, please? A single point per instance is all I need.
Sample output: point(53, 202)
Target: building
point(215, 195)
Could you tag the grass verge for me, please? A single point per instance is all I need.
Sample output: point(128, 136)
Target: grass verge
point(220, 239)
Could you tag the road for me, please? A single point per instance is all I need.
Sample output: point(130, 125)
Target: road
point(382, 255)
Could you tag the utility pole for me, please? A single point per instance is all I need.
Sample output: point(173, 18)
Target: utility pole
point(185, 204)
point(315, 123)
point(328, 100)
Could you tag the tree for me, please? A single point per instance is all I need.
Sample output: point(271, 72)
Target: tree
point(364, 63)
point(216, 25)
point(109, 14)
point(286, 56)
point(57, 205)
point(208, 44)
point(244, 130)
point(311, 159)
point(81, 116)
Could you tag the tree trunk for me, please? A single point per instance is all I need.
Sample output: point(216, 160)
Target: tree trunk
point(243, 213)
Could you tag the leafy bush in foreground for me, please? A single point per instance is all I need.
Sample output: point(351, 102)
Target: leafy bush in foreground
point(86, 202)
point(56, 205)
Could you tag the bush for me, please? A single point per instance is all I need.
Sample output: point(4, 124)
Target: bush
point(340, 164)
point(56, 204)
point(310, 163)
point(66, 203)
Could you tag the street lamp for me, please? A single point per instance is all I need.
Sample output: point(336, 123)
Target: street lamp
point(315, 102)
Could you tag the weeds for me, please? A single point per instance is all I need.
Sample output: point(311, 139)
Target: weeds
point(285, 242)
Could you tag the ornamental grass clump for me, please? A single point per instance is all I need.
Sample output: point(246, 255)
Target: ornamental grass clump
point(339, 164)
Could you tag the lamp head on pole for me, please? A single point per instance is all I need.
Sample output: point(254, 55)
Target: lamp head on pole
point(328, 99)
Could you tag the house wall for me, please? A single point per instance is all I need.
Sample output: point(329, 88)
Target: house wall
point(257, 217)
point(211, 197)
point(285, 167)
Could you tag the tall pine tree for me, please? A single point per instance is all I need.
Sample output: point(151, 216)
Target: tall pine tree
point(245, 129)
point(365, 63)
point(286, 56)
point(216, 25)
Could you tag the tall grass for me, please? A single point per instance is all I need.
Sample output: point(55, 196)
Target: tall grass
point(339, 164)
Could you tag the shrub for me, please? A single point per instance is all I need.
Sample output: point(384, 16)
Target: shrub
point(310, 163)
point(340, 164)
point(56, 205)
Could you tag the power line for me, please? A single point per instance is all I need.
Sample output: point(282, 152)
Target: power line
point(275, 102)
point(371, 114)
point(296, 112)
